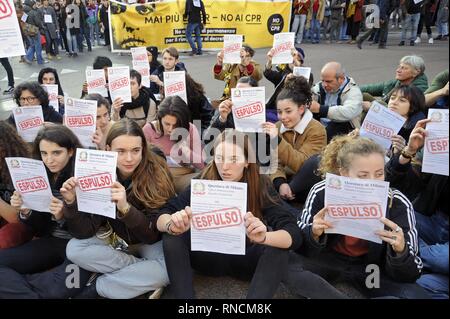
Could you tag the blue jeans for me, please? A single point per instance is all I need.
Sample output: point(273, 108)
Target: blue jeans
point(433, 247)
point(35, 46)
point(314, 31)
point(194, 27)
point(411, 22)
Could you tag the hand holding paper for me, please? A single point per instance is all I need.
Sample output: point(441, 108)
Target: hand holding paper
point(68, 190)
point(119, 196)
point(320, 224)
point(394, 236)
point(181, 221)
point(255, 228)
point(56, 206)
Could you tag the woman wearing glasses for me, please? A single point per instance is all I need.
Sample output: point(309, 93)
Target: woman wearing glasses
point(31, 93)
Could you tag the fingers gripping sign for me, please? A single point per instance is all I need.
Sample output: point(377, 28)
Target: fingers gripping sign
point(255, 228)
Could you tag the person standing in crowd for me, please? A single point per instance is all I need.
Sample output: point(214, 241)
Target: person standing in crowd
point(385, 12)
point(442, 20)
point(31, 93)
point(60, 8)
point(34, 37)
point(426, 19)
point(84, 27)
point(314, 20)
point(51, 29)
point(104, 21)
point(328, 257)
point(72, 20)
point(353, 15)
point(12, 232)
point(92, 22)
point(411, 21)
point(301, 9)
point(339, 100)
point(10, 75)
point(230, 73)
point(337, 7)
point(196, 16)
point(269, 226)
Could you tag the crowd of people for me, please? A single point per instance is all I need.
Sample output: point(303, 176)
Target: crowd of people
point(312, 128)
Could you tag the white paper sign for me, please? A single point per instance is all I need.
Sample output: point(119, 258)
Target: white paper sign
point(144, 70)
point(29, 178)
point(96, 82)
point(10, 35)
point(48, 18)
point(283, 43)
point(232, 45)
point(175, 84)
point(81, 116)
point(171, 162)
point(302, 71)
point(29, 120)
point(95, 172)
point(24, 17)
point(218, 210)
point(52, 91)
point(380, 124)
point(355, 206)
point(139, 54)
point(249, 109)
point(119, 83)
point(435, 155)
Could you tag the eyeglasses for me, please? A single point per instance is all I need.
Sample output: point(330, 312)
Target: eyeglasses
point(29, 99)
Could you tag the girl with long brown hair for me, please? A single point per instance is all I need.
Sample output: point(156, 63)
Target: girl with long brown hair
point(266, 250)
point(143, 185)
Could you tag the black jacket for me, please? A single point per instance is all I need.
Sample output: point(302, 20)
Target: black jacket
point(406, 267)
point(275, 216)
point(159, 72)
point(192, 13)
point(277, 77)
point(428, 192)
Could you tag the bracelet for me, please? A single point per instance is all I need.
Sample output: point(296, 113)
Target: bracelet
point(407, 154)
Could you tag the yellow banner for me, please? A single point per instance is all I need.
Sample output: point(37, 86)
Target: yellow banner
point(161, 24)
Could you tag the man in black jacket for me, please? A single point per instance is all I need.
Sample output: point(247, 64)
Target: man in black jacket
point(192, 12)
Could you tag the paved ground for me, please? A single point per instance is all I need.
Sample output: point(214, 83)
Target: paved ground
point(365, 66)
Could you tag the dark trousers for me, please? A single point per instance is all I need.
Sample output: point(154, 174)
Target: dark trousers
point(425, 19)
point(45, 285)
point(383, 33)
point(63, 39)
point(306, 177)
point(352, 28)
point(310, 276)
point(264, 265)
point(9, 71)
point(35, 256)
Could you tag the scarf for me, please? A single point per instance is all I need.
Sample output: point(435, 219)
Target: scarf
point(143, 100)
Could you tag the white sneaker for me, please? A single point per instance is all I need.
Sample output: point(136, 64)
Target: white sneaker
point(430, 41)
point(418, 40)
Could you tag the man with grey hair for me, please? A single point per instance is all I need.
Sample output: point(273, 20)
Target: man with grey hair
point(409, 71)
point(339, 100)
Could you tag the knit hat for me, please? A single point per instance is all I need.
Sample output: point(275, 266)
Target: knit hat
point(301, 53)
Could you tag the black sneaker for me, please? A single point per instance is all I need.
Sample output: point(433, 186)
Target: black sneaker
point(402, 43)
point(9, 90)
point(411, 43)
point(199, 52)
